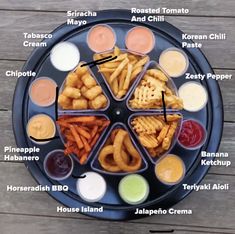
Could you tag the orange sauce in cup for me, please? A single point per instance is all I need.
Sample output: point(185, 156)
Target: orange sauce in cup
point(140, 39)
point(43, 91)
point(101, 38)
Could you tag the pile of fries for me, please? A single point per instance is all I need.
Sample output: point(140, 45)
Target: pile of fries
point(121, 72)
point(81, 134)
point(148, 93)
point(154, 133)
point(81, 91)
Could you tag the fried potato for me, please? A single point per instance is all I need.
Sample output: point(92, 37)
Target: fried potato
point(93, 92)
point(99, 102)
point(88, 81)
point(71, 92)
point(71, 80)
point(148, 93)
point(119, 69)
point(80, 89)
point(64, 101)
point(125, 69)
point(80, 104)
point(154, 134)
point(80, 71)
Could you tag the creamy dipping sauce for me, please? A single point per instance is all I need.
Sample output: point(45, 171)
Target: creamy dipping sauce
point(133, 189)
point(194, 96)
point(43, 91)
point(65, 56)
point(101, 38)
point(170, 169)
point(140, 39)
point(174, 62)
point(41, 127)
point(92, 188)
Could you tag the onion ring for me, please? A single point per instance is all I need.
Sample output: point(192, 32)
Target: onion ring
point(110, 165)
point(118, 144)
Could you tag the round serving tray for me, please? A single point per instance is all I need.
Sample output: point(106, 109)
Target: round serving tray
point(161, 196)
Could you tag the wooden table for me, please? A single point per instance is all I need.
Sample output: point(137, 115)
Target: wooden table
point(213, 212)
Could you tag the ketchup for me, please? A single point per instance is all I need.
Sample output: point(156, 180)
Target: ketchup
point(192, 134)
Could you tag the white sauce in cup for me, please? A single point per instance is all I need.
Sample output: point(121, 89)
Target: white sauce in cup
point(92, 188)
point(65, 56)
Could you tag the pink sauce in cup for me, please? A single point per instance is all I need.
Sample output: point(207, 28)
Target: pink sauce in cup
point(101, 38)
point(140, 39)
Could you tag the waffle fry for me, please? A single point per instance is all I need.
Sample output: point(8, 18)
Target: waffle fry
point(148, 124)
point(148, 94)
point(154, 134)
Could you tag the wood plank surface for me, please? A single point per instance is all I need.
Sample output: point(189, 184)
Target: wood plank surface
point(13, 25)
point(206, 205)
point(196, 7)
point(29, 224)
point(35, 212)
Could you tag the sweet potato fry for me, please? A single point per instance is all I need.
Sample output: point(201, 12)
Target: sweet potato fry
point(76, 137)
point(86, 145)
point(96, 137)
point(94, 131)
point(82, 132)
point(62, 123)
point(83, 158)
point(81, 119)
point(70, 138)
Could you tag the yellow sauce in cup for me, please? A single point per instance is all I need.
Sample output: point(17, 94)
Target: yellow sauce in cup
point(41, 127)
point(174, 62)
point(170, 169)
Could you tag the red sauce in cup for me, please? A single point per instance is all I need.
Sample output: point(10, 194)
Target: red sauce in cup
point(192, 134)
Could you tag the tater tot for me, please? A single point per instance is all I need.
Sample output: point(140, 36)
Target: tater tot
point(80, 71)
point(80, 104)
point(71, 79)
point(88, 81)
point(79, 83)
point(93, 92)
point(83, 89)
point(99, 102)
point(71, 92)
point(90, 105)
point(64, 101)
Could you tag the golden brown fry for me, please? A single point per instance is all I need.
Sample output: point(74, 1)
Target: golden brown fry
point(141, 62)
point(122, 79)
point(118, 69)
point(168, 139)
point(157, 74)
point(121, 93)
point(116, 51)
point(136, 72)
point(104, 69)
point(111, 65)
point(128, 77)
